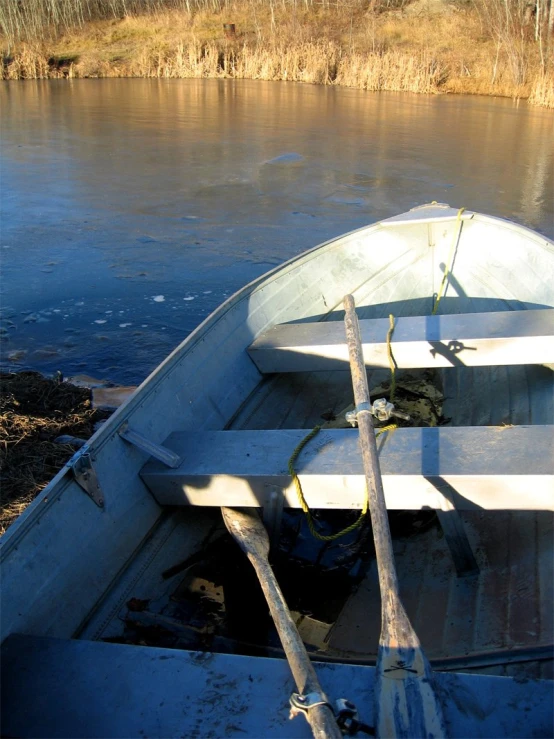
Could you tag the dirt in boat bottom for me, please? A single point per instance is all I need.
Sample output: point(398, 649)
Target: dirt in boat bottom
point(219, 606)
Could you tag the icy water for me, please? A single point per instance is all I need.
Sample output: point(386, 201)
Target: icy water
point(132, 208)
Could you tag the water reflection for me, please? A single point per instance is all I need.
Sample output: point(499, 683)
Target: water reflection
point(118, 191)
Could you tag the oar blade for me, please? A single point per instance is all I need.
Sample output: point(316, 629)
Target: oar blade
point(246, 527)
point(407, 703)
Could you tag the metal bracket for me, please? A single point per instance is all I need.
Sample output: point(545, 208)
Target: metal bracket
point(85, 476)
point(304, 702)
point(382, 409)
point(159, 452)
point(345, 712)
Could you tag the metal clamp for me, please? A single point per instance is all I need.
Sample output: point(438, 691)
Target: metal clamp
point(382, 409)
point(345, 712)
point(352, 416)
point(310, 700)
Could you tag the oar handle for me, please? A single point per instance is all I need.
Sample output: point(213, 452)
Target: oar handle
point(320, 717)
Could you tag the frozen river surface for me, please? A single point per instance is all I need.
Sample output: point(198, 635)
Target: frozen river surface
point(132, 208)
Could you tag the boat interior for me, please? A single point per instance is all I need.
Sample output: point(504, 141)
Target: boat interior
point(468, 478)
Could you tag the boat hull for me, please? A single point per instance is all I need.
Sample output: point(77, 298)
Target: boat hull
point(71, 568)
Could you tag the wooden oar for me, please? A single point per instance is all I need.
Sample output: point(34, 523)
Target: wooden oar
point(249, 532)
point(406, 703)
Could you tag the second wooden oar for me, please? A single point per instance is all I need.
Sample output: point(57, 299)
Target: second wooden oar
point(405, 699)
point(247, 529)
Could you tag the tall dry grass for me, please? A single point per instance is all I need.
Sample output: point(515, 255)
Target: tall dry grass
point(29, 63)
point(401, 50)
point(311, 62)
point(542, 90)
point(392, 70)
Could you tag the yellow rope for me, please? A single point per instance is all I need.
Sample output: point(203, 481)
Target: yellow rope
point(392, 361)
point(303, 502)
point(447, 268)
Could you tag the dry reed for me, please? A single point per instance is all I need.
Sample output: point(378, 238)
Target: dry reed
point(542, 90)
point(29, 63)
point(392, 71)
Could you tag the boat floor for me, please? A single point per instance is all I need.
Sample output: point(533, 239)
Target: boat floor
point(498, 621)
point(505, 607)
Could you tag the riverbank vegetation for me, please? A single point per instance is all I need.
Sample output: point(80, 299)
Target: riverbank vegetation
point(490, 47)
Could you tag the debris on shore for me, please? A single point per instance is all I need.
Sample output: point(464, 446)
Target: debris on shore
point(34, 412)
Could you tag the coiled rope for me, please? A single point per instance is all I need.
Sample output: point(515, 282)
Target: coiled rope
point(303, 502)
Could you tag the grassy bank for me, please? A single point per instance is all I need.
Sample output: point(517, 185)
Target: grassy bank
point(425, 46)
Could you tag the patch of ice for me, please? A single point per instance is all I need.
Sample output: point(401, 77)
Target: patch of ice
point(100, 320)
point(286, 158)
point(17, 354)
point(124, 325)
point(158, 298)
point(189, 298)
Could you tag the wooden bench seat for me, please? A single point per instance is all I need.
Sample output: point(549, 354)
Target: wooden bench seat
point(470, 339)
point(485, 467)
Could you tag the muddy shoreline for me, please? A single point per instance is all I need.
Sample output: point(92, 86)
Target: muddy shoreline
point(43, 421)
